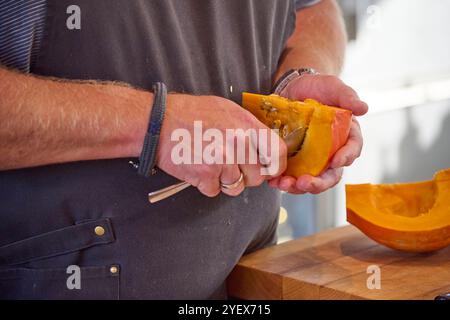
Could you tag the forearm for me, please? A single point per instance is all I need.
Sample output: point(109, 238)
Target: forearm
point(46, 121)
point(318, 41)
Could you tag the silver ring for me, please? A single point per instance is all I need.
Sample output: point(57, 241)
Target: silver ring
point(233, 185)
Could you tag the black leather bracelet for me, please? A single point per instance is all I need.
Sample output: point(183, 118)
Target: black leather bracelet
point(147, 159)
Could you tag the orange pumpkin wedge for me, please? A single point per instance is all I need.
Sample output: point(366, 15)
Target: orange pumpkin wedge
point(327, 128)
point(412, 217)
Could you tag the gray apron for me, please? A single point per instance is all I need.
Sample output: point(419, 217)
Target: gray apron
point(182, 247)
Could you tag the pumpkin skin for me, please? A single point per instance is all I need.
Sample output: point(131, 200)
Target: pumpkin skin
point(327, 128)
point(413, 217)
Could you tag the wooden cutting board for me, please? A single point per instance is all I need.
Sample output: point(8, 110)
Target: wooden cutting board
point(334, 265)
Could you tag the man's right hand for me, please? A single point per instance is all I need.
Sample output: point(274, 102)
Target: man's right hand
point(45, 122)
point(221, 114)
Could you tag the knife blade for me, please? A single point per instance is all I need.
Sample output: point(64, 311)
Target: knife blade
point(294, 140)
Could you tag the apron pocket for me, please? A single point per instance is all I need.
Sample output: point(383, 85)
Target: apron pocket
point(95, 283)
point(57, 242)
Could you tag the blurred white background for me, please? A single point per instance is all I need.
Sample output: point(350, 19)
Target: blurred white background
point(398, 60)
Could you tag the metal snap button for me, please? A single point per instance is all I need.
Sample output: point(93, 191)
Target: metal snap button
point(99, 230)
point(113, 269)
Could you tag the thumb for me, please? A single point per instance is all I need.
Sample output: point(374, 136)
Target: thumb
point(328, 90)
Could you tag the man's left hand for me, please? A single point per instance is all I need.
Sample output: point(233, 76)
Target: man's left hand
point(332, 91)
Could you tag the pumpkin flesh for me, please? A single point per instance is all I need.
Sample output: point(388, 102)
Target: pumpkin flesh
point(327, 128)
point(411, 217)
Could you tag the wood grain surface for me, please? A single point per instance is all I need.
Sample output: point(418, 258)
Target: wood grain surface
point(333, 265)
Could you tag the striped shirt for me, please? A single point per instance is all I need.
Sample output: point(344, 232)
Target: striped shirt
point(21, 29)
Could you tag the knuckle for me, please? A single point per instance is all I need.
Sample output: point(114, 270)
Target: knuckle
point(354, 155)
point(314, 185)
point(349, 162)
point(316, 188)
point(208, 190)
point(210, 172)
point(193, 180)
point(255, 181)
point(350, 158)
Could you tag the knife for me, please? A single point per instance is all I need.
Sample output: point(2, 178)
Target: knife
point(293, 140)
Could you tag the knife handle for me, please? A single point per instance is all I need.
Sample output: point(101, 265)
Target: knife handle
point(164, 193)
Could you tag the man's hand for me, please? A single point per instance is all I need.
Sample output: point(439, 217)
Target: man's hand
point(332, 91)
point(319, 41)
point(46, 122)
point(220, 114)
